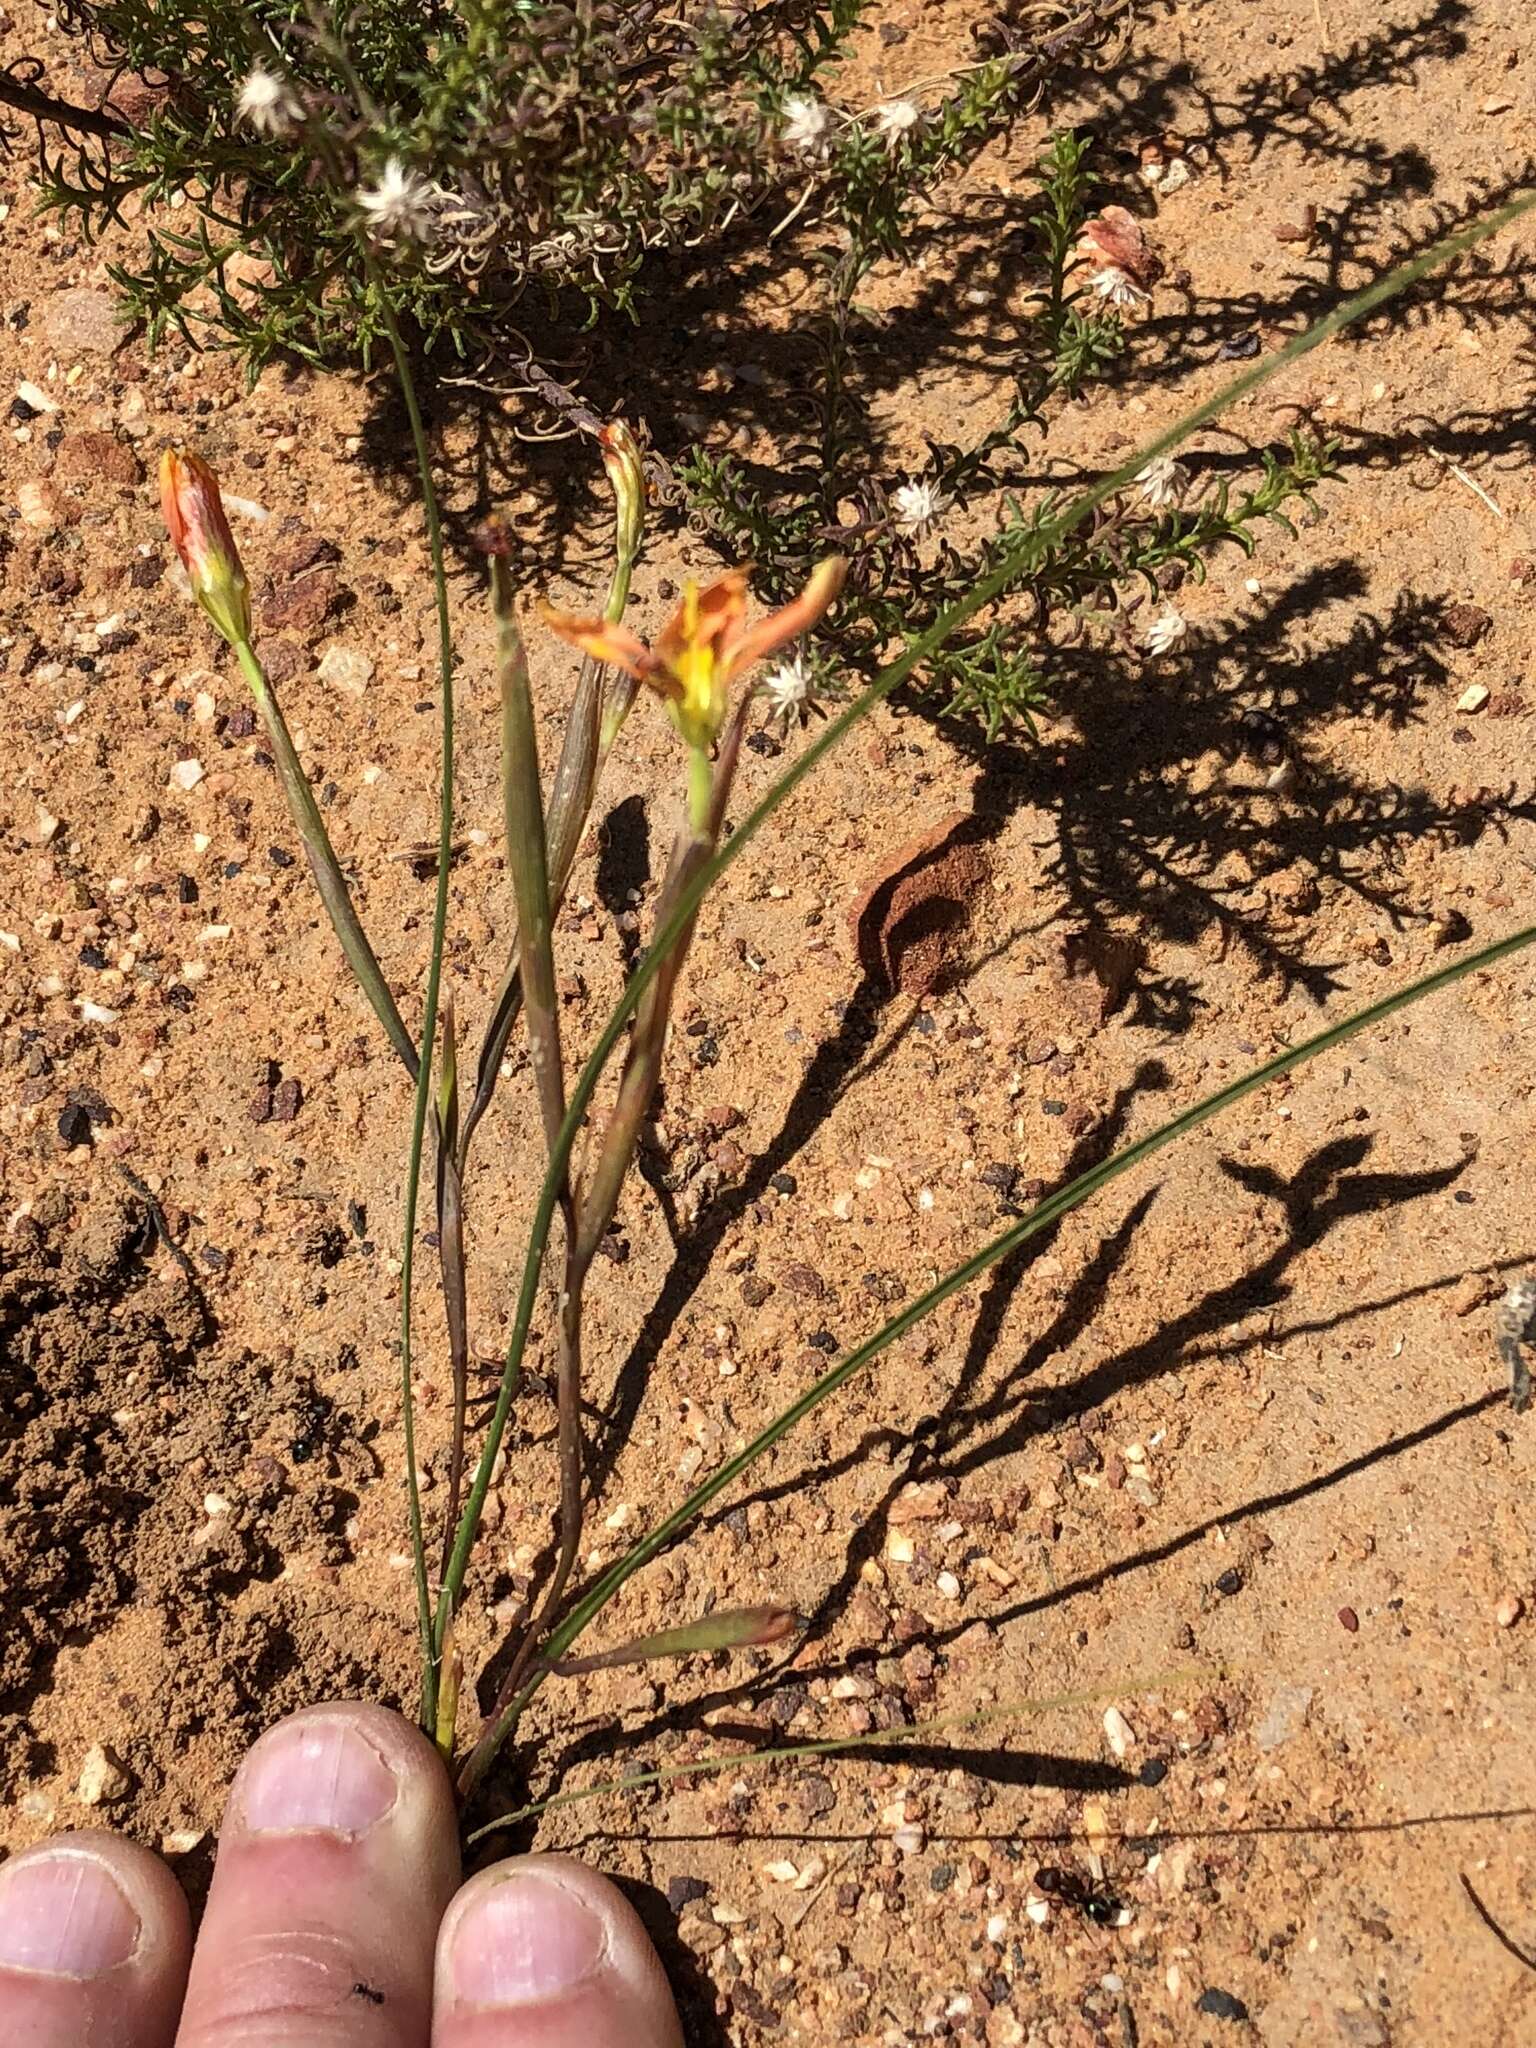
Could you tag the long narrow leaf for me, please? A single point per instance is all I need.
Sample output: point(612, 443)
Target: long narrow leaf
point(837, 1745)
point(1031, 547)
point(526, 853)
point(1041, 1218)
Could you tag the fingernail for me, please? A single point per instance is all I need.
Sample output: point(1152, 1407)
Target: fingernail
point(318, 1773)
point(64, 1914)
point(523, 1940)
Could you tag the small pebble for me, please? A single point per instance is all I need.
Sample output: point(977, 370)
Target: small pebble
point(1473, 698)
point(74, 1125)
point(1509, 1610)
point(186, 775)
point(346, 669)
point(1349, 1619)
point(102, 1779)
point(1118, 1733)
point(1221, 2005)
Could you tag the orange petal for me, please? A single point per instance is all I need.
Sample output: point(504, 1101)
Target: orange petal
point(711, 617)
point(603, 641)
point(792, 619)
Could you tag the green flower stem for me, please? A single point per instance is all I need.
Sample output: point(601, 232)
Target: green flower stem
point(323, 864)
point(700, 788)
point(434, 526)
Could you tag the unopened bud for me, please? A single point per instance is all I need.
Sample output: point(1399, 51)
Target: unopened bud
point(199, 530)
point(626, 472)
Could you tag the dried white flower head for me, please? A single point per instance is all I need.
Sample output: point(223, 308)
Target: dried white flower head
point(268, 103)
point(918, 503)
point(806, 125)
point(896, 118)
point(1163, 481)
point(786, 688)
point(1166, 631)
point(400, 207)
point(1115, 286)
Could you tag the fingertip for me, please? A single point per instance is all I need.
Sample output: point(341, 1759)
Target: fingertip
point(95, 1939)
point(338, 1854)
point(340, 1768)
point(544, 1951)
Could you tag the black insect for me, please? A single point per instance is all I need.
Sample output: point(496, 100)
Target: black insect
point(368, 1991)
point(1068, 1889)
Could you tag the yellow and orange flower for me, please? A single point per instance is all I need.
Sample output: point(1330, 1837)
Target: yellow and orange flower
point(706, 644)
point(199, 528)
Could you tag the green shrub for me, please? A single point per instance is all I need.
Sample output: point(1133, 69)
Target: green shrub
point(524, 168)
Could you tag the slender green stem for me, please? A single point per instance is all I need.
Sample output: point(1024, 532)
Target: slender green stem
point(1032, 546)
point(337, 899)
point(450, 1225)
point(323, 864)
point(434, 525)
point(700, 785)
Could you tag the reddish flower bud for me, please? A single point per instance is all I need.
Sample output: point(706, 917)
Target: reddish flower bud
point(199, 529)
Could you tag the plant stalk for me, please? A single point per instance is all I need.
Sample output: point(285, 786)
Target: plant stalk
point(323, 864)
point(1031, 546)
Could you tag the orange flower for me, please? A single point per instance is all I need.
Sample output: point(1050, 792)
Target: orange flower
point(199, 529)
point(706, 644)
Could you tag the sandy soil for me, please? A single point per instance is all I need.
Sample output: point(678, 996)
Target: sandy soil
point(1228, 1454)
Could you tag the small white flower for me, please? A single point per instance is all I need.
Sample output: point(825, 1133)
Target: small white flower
point(786, 689)
point(400, 207)
point(1162, 481)
point(918, 503)
point(1166, 631)
point(806, 122)
point(896, 118)
point(1115, 286)
point(268, 103)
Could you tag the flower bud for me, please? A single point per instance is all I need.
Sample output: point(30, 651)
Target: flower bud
point(626, 472)
point(199, 530)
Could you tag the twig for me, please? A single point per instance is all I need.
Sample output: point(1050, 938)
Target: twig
point(1493, 1927)
point(161, 1227)
point(42, 106)
point(1461, 477)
